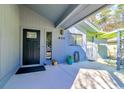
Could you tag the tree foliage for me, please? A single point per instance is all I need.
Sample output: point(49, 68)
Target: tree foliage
point(109, 19)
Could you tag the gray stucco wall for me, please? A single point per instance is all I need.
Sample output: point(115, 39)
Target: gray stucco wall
point(62, 48)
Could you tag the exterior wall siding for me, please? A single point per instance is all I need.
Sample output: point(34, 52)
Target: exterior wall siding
point(9, 45)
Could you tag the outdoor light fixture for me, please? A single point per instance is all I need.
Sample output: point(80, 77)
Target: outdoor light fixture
point(61, 32)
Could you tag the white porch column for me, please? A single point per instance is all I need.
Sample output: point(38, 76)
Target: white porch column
point(118, 50)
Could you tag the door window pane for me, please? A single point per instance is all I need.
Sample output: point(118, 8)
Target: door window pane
point(48, 45)
point(31, 35)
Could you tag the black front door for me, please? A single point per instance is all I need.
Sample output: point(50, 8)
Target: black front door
point(31, 46)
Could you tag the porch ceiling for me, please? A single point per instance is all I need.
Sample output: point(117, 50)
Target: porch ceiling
point(54, 12)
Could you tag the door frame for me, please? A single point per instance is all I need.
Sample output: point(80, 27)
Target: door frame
point(45, 43)
point(21, 46)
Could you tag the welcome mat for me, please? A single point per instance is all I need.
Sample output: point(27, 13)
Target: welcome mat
point(23, 70)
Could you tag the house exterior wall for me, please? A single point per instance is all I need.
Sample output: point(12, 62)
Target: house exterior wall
point(60, 47)
point(9, 41)
point(13, 18)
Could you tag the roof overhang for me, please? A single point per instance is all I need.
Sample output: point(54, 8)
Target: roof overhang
point(78, 14)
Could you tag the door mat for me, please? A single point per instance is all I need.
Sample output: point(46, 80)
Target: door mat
point(23, 70)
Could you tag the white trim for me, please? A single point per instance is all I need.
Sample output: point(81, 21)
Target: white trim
point(21, 45)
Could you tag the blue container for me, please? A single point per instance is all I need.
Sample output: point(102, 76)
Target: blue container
point(70, 60)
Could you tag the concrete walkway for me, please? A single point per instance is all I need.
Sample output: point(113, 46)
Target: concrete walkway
point(60, 76)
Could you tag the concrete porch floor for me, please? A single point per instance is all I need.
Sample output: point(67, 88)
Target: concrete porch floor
point(60, 76)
